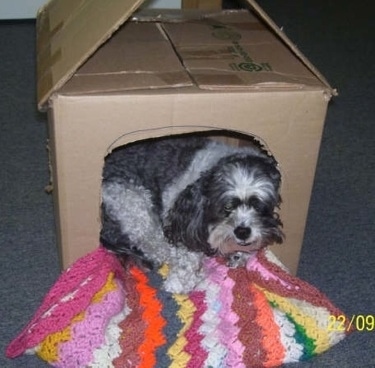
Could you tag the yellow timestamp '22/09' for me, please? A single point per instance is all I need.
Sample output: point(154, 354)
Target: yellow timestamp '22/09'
point(359, 322)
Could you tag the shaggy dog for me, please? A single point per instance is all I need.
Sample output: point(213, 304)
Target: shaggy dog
point(178, 200)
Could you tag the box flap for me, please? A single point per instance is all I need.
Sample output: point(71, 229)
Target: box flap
point(139, 56)
point(69, 32)
point(263, 15)
point(233, 49)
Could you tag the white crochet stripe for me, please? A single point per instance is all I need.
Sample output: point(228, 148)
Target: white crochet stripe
point(293, 350)
point(211, 320)
point(104, 356)
point(270, 256)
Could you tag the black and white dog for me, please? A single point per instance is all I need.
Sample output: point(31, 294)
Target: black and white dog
point(177, 200)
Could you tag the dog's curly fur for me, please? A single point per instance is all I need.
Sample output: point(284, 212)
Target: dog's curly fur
point(177, 200)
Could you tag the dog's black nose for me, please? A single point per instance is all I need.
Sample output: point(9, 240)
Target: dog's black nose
point(242, 232)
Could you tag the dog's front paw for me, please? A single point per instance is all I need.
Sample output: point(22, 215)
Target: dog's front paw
point(174, 286)
point(238, 259)
point(179, 282)
point(183, 270)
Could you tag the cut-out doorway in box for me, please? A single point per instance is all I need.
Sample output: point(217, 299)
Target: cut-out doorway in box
point(215, 193)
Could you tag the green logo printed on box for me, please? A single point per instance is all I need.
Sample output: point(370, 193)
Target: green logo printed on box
point(223, 32)
point(249, 65)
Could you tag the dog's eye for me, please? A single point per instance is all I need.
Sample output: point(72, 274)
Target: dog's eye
point(257, 204)
point(231, 205)
point(228, 207)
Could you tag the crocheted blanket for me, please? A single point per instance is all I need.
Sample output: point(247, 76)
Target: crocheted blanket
point(102, 314)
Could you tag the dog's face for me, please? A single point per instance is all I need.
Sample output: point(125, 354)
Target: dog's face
point(230, 208)
point(243, 195)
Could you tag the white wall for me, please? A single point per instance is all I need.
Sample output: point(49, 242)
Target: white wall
point(23, 9)
point(13, 9)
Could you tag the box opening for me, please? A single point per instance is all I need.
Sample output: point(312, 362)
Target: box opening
point(229, 137)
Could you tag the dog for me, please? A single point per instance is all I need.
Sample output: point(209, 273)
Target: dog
point(180, 199)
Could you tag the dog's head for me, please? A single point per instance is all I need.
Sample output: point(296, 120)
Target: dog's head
point(230, 208)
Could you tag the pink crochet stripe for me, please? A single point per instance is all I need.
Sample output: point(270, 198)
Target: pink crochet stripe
point(227, 329)
point(89, 334)
point(255, 265)
point(82, 281)
point(193, 336)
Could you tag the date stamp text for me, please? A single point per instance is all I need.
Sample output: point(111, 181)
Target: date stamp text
point(359, 322)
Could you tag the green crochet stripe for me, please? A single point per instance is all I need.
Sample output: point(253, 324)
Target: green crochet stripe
point(302, 338)
point(300, 335)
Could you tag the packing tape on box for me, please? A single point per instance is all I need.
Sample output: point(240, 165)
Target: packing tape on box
point(48, 59)
point(46, 32)
point(218, 80)
point(191, 53)
point(128, 81)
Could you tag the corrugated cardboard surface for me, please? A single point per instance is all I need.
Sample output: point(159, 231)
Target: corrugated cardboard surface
point(235, 50)
point(228, 50)
point(69, 32)
point(165, 75)
point(86, 128)
point(138, 56)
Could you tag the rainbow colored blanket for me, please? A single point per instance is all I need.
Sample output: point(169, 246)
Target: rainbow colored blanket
point(100, 314)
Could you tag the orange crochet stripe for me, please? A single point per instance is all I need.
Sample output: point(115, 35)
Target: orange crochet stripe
point(154, 337)
point(272, 346)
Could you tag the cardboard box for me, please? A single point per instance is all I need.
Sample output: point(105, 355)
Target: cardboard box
point(109, 76)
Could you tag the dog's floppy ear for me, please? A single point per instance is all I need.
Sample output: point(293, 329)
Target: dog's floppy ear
point(273, 170)
point(185, 222)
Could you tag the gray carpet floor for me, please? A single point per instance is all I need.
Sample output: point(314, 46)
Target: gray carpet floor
point(339, 248)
